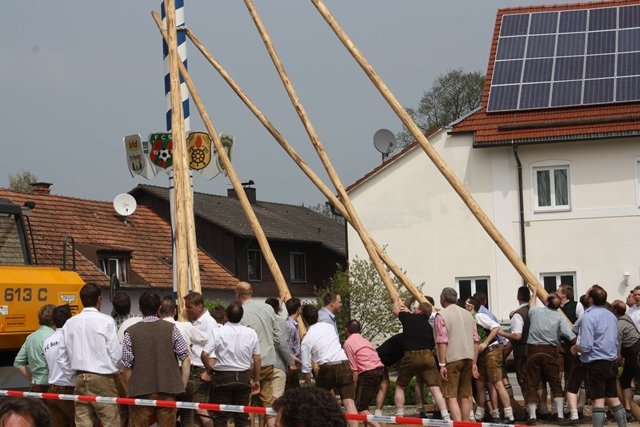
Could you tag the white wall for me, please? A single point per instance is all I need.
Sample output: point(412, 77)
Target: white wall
point(410, 208)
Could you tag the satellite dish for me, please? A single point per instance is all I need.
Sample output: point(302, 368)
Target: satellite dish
point(384, 140)
point(124, 204)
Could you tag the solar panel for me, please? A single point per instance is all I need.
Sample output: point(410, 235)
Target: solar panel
point(567, 58)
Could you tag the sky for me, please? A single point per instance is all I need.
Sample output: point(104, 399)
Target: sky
point(77, 76)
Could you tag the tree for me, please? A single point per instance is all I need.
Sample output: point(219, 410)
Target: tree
point(21, 182)
point(364, 297)
point(452, 95)
point(326, 210)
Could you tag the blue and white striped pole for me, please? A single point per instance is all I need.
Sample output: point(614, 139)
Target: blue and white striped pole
point(184, 92)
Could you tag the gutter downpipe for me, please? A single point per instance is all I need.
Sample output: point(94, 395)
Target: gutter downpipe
point(523, 246)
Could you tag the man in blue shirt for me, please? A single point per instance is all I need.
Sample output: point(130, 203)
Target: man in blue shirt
point(597, 345)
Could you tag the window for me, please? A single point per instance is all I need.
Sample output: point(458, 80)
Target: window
point(115, 265)
point(467, 286)
point(638, 182)
point(298, 267)
point(254, 265)
point(551, 281)
point(551, 188)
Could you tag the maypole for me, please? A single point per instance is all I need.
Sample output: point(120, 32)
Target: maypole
point(181, 198)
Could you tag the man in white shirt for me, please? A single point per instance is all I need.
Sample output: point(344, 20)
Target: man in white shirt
point(634, 311)
point(234, 362)
point(89, 345)
point(192, 336)
point(321, 344)
point(199, 385)
point(61, 381)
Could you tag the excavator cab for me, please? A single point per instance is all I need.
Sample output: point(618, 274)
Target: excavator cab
point(25, 287)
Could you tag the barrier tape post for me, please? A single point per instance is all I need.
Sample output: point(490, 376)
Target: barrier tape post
point(237, 408)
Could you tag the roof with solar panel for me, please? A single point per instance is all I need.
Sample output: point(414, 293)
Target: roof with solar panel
point(561, 73)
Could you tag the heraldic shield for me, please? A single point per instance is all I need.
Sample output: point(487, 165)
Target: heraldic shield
point(160, 153)
point(198, 150)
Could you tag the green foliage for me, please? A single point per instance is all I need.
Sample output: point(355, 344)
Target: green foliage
point(210, 304)
point(409, 394)
point(452, 95)
point(366, 299)
point(326, 210)
point(21, 182)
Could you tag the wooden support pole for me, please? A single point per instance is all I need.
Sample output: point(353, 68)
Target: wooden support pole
point(373, 255)
point(448, 174)
point(237, 186)
point(395, 269)
point(183, 202)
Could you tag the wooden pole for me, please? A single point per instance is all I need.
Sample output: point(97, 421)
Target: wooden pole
point(395, 269)
point(373, 255)
point(180, 165)
point(448, 174)
point(237, 186)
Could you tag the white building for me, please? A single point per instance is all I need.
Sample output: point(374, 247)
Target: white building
point(580, 165)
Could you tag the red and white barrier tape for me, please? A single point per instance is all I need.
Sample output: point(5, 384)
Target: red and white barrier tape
point(235, 408)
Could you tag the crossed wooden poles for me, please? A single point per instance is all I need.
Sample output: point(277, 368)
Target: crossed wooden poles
point(341, 202)
point(185, 231)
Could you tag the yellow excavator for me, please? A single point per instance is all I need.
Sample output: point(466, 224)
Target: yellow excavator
point(25, 286)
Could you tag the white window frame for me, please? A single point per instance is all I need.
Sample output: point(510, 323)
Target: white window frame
point(474, 289)
point(637, 160)
point(551, 167)
point(259, 266)
point(558, 275)
point(294, 277)
point(106, 264)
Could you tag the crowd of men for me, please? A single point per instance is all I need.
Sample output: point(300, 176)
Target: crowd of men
point(249, 350)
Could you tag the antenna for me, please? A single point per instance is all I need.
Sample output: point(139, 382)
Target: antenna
point(125, 205)
point(384, 141)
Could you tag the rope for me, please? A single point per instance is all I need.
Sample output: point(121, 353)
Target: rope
point(236, 408)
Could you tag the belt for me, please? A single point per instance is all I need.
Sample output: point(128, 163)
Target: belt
point(114, 375)
point(372, 370)
point(491, 348)
point(61, 389)
point(422, 350)
point(341, 362)
point(197, 369)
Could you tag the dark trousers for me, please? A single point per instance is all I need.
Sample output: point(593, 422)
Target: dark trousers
point(542, 365)
point(231, 388)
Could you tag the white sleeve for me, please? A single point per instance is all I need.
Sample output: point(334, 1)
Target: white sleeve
point(517, 324)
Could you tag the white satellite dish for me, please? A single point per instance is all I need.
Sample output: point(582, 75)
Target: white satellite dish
point(124, 204)
point(384, 140)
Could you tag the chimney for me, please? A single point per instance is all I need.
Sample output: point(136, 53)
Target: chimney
point(41, 187)
point(250, 191)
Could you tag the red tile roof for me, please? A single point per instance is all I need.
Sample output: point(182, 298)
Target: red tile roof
point(553, 124)
point(95, 224)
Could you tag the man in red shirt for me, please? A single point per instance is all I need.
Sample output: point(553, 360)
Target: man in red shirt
point(365, 364)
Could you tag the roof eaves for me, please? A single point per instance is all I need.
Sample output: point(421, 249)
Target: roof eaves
point(555, 139)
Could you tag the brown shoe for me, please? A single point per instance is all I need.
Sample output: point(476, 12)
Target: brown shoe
point(532, 422)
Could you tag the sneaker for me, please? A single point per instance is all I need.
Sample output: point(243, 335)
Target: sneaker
point(532, 422)
point(542, 415)
point(629, 415)
point(422, 414)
